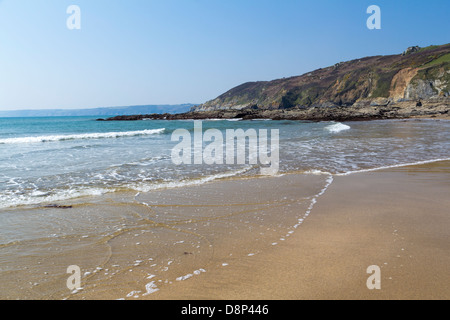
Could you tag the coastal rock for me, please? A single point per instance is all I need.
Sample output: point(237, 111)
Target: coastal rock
point(409, 76)
point(420, 89)
point(380, 102)
point(362, 110)
point(379, 87)
point(411, 50)
point(55, 206)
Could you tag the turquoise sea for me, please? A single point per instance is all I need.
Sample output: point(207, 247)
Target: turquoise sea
point(44, 160)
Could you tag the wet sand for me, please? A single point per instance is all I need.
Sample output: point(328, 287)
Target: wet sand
point(202, 231)
point(444, 116)
point(397, 219)
point(283, 238)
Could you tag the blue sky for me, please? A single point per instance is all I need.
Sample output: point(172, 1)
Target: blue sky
point(189, 51)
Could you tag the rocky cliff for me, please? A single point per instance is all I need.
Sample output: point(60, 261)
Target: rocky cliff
point(415, 83)
point(419, 76)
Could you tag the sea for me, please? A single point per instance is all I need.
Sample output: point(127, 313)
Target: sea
point(43, 160)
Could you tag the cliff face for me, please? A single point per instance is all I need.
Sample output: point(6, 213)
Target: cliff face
point(417, 74)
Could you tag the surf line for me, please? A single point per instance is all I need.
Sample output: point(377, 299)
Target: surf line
point(329, 181)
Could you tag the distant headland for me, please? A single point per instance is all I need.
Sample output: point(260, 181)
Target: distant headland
point(100, 112)
point(415, 83)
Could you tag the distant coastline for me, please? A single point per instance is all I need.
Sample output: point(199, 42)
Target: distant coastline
point(99, 112)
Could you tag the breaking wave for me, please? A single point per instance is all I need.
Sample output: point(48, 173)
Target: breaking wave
point(102, 135)
point(337, 127)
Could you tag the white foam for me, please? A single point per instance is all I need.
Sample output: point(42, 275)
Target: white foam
point(9, 201)
point(317, 172)
point(190, 275)
point(101, 135)
point(184, 277)
point(392, 166)
point(313, 202)
point(150, 288)
point(337, 127)
point(134, 294)
point(187, 183)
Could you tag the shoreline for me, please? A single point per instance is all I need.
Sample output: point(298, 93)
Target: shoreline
point(66, 203)
point(292, 237)
point(377, 218)
point(165, 117)
point(359, 220)
point(208, 116)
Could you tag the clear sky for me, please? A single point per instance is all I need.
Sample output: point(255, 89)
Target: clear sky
point(133, 52)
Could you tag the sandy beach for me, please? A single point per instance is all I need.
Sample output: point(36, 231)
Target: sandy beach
point(397, 219)
point(292, 237)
